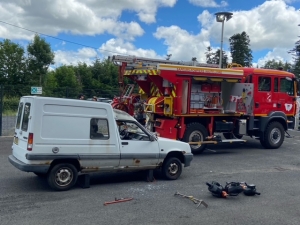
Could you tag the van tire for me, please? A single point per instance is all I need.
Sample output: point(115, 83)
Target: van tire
point(172, 168)
point(195, 132)
point(62, 176)
point(273, 136)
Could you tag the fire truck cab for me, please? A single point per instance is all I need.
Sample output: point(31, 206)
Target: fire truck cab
point(202, 104)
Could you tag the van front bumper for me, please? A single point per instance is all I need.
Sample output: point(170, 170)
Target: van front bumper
point(188, 157)
point(28, 167)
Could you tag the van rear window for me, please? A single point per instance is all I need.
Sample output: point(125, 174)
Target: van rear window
point(20, 109)
point(26, 113)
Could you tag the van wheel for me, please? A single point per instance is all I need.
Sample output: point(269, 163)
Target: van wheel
point(273, 136)
point(62, 177)
point(195, 132)
point(172, 168)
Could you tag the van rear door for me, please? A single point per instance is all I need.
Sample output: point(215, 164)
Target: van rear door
point(23, 139)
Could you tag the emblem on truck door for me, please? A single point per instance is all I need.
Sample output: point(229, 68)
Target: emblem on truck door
point(55, 150)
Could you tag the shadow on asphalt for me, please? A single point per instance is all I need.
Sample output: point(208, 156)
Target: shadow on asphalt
point(35, 183)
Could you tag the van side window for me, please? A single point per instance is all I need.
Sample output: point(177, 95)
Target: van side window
point(20, 109)
point(99, 129)
point(264, 84)
point(26, 113)
point(287, 86)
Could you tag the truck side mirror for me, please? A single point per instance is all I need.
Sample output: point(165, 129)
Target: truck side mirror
point(298, 87)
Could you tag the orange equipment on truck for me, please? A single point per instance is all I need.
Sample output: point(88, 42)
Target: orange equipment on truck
point(196, 102)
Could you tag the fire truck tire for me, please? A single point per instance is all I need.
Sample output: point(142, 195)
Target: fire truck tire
point(195, 132)
point(273, 136)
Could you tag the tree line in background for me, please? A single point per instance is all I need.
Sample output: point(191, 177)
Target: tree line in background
point(31, 67)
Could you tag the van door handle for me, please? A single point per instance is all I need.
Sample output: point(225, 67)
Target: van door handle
point(25, 137)
point(124, 143)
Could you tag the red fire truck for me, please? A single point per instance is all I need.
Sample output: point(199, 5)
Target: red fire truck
point(196, 103)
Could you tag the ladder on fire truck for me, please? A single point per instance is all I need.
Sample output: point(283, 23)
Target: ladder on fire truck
point(133, 62)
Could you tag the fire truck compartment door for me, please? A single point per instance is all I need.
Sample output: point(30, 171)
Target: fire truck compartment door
point(239, 99)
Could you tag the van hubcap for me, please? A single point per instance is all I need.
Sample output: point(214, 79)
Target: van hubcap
point(275, 136)
point(173, 169)
point(64, 177)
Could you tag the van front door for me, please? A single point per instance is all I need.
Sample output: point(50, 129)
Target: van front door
point(136, 148)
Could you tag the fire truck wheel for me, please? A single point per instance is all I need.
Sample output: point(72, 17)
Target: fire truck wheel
point(172, 168)
point(273, 136)
point(195, 132)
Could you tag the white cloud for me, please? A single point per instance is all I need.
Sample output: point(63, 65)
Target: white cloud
point(120, 47)
point(208, 3)
point(271, 25)
point(86, 55)
point(183, 45)
point(277, 54)
point(90, 17)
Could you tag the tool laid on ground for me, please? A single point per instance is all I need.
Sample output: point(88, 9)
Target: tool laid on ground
point(195, 200)
point(118, 201)
point(231, 189)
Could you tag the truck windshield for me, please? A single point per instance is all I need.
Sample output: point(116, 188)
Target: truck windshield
point(287, 86)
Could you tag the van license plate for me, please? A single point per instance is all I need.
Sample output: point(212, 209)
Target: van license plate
point(16, 140)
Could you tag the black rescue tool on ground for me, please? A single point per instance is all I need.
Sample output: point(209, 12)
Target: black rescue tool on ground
point(216, 189)
point(195, 200)
point(231, 189)
point(118, 201)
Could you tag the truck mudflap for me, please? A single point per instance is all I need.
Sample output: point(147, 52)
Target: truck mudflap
point(188, 157)
point(27, 167)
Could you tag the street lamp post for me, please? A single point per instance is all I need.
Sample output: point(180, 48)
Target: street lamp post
point(221, 17)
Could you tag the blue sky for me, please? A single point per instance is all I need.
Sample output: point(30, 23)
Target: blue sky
point(183, 28)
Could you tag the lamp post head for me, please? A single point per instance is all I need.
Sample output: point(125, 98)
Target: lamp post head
point(221, 16)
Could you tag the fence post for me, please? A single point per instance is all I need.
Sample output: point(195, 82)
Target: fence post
point(1, 108)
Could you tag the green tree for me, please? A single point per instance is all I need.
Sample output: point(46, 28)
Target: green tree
point(216, 58)
point(40, 57)
point(296, 56)
point(12, 61)
point(273, 64)
point(240, 49)
point(209, 54)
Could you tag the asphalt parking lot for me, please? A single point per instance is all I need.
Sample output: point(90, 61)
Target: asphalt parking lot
point(27, 199)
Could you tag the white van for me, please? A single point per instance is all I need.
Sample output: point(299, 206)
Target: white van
point(60, 138)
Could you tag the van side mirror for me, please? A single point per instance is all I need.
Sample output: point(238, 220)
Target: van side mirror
point(152, 138)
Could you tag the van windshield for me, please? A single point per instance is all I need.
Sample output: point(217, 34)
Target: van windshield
point(20, 109)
